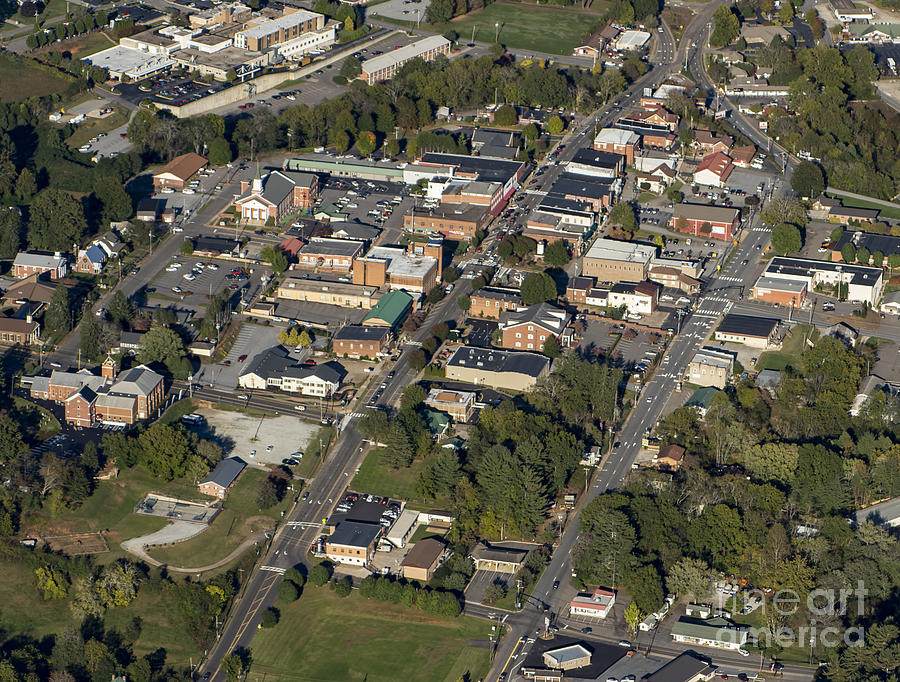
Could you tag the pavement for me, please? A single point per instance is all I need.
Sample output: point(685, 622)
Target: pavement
point(176, 531)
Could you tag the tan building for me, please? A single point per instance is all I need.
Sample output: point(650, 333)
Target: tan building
point(353, 542)
point(670, 457)
point(498, 558)
point(710, 368)
point(383, 67)
point(609, 260)
point(15, 331)
point(618, 141)
point(263, 33)
point(340, 294)
point(491, 302)
point(415, 272)
point(222, 478)
point(423, 559)
point(457, 221)
point(179, 171)
point(517, 371)
point(329, 255)
point(460, 405)
point(361, 341)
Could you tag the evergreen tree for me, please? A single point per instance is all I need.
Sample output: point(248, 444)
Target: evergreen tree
point(59, 312)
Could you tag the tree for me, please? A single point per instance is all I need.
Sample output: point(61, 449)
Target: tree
point(220, 151)
point(537, 287)
point(727, 27)
point(530, 132)
point(115, 200)
point(366, 142)
point(231, 75)
point(341, 141)
point(236, 665)
point(161, 344)
point(120, 309)
point(56, 220)
point(557, 254)
point(690, 580)
point(10, 232)
point(786, 13)
point(59, 311)
point(319, 574)
point(440, 11)
point(464, 302)
point(784, 209)
point(848, 252)
point(418, 359)
point(165, 451)
point(25, 185)
point(90, 337)
point(622, 214)
point(808, 180)
point(505, 116)
point(555, 125)
point(551, 347)
point(863, 255)
point(493, 593)
point(275, 257)
point(633, 617)
point(718, 536)
point(270, 617)
point(343, 587)
point(786, 238)
point(351, 68)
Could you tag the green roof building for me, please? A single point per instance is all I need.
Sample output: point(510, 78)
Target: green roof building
point(702, 398)
point(436, 421)
point(390, 311)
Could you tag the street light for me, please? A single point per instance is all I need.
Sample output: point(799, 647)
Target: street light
point(496, 31)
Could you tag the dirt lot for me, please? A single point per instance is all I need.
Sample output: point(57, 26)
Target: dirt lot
point(240, 434)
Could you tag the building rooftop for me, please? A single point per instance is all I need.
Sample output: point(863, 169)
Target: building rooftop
point(184, 166)
point(327, 246)
point(789, 285)
point(702, 397)
point(492, 552)
point(683, 667)
point(567, 654)
point(269, 362)
point(498, 294)
point(616, 136)
point(39, 260)
point(401, 263)
point(747, 325)
point(713, 358)
point(597, 159)
point(424, 553)
point(717, 629)
point(260, 28)
point(571, 184)
point(612, 249)
point(361, 333)
point(782, 266)
point(492, 360)
point(226, 472)
point(441, 396)
point(354, 534)
point(544, 315)
point(483, 168)
point(391, 309)
point(713, 214)
point(404, 54)
point(138, 381)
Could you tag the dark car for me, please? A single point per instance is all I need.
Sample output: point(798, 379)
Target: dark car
point(243, 357)
point(555, 584)
point(586, 631)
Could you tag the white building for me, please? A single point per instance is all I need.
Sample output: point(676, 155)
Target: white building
point(863, 284)
point(596, 605)
point(638, 298)
point(134, 64)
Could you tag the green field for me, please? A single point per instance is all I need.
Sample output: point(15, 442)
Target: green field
point(21, 79)
point(235, 523)
point(375, 478)
point(883, 211)
point(543, 29)
point(324, 638)
point(789, 355)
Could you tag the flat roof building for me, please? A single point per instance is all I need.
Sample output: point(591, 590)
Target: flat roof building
point(383, 67)
point(423, 559)
point(710, 368)
point(460, 405)
point(758, 332)
point(518, 371)
point(864, 284)
point(353, 542)
point(610, 260)
point(340, 294)
point(593, 605)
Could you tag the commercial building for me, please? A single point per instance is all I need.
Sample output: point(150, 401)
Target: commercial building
point(609, 260)
point(27, 263)
point(275, 368)
point(501, 144)
point(353, 542)
point(361, 169)
point(325, 254)
point(217, 64)
point(361, 341)
point(597, 42)
point(859, 283)
point(719, 633)
point(529, 328)
point(597, 193)
point(423, 559)
point(275, 195)
point(403, 528)
point(330, 293)
point(547, 228)
point(885, 244)
point(577, 289)
point(596, 164)
point(390, 311)
point(632, 40)
point(686, 667)
point(758, 332)
point(414, 272)
point(713, 170)
point(710, 368)
point(491, 302)
point(716, 222)
point(179, 171)
point(264, 33)
point(497, 558)
point(707, 142)
point(787, 292)
point(618, 141)
point(460, 405)
point(638, 298)
point(220, 479)
point(517, 371)
point(457, 221)
point(593, 605)
point(312, 41)
point(121, 61)
point(383, 67)
point(675, 273)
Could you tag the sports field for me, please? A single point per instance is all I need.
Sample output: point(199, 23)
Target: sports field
point(542, 29)
point(323, 638)
point(21, 79)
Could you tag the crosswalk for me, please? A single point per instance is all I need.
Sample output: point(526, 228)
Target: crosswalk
point(274, 569)
point(731, 279)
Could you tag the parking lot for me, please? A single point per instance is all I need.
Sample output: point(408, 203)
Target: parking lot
point(255, 439)
point(480, 332)
point(359, 200)
point(206, 186)
point(480, 581)
point(167, 90)
point(251, 339)
point(407, 10)
point(635, 349)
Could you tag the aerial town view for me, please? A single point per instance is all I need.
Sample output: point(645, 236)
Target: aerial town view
point(449, 340)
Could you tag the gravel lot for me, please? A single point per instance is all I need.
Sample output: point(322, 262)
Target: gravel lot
point(240, 434)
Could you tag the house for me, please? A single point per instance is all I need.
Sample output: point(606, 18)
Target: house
point(618, 141)
point(701, 399)
point(769, 379)
point(90, 260)
point(686, 667)
point(743, 155)
point(593, 605)
point(529, 328)
point(111, 244)
point(27, 263)
point(518, 371)
point(717, 222)
point(356, 231)
point(638, 298)
point(390, 311)
point(869, 386)
point(713, 170)
point(718, 632)
point(423, 559)
point(670, 457)
point(460, 405)
point(497, 558)
point(353, 542)
point(609, 260)
point(707, 142)
point(758, 332)
point(179, 171)
point(361, 341)
point(491, 302)
point(710, 367)
point(15, 331)
point(275, 195)
point(885, 244)
point(219, 481)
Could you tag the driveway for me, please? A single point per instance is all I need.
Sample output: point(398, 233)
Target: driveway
point(177, 531)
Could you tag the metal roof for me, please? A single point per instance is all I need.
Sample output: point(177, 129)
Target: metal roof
point(226, 472)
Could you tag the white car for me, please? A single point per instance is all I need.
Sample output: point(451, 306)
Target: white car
point(188, 190)
point(175, 265)
point(167, 190)
point(190, 277)
point(743, 652)
point(177, 229)
point(212, 266)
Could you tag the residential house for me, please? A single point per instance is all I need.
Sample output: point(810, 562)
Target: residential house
point(707, 142)
point(713, 170)
point(34, 290)
point(529, 328)
point(423, 559)
point(363, 341)
point(670, 457)
point(848, 216)
point(220, 480)
point(743, 155)
point(597, 42)
point(27, 263)
point(179, 171)
point(760, 35)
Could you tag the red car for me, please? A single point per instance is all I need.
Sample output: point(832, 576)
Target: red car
point(243, 357)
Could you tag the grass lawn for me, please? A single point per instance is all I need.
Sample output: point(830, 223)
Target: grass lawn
point(388, 643)
point(790, 351)
point(543, 29)
point(20, 79)
point(422, 532)
point(884, 212)
point(93, 126)
point(376, 478)
point(234, 524)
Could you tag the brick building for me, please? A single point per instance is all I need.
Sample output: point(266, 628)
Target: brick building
point(491, 302)
point(529, 328)
point(329, 255)
point(276, 195)
point(361, 341)
point(29, 263)
point(609, 260)
point(716, 222)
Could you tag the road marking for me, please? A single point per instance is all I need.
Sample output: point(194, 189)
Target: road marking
point(274, 569)
point(303, 524)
